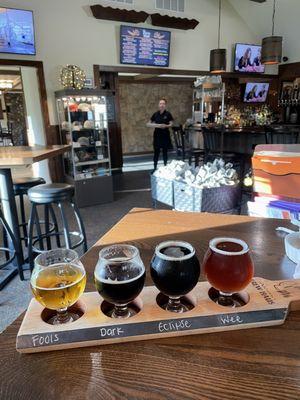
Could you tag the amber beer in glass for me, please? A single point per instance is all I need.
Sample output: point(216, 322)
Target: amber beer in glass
point(58, 280)
point(228, 267)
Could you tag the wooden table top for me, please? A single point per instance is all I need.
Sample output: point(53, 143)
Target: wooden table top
point(24, 155)
point(261, 363)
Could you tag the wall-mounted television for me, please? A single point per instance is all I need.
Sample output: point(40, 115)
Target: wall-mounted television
point(17, 31)
point(141, 46)
point(248, 58)
point(256, 92)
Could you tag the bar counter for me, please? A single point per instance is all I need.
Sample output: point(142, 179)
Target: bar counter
point(243, 139)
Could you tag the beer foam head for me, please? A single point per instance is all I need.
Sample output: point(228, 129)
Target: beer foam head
point(176, 254)
point(119, 251)
point(213, 244)
point(102, 272)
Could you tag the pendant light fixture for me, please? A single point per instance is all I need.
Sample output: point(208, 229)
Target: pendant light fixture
point(271, 52)
point(218, 56)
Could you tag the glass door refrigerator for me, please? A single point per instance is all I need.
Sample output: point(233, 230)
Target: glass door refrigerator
point(83, 122)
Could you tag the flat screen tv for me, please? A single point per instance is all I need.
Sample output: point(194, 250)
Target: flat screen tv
point(141, 46)
point(256, 92)
point(16, 31)
point(248, 58)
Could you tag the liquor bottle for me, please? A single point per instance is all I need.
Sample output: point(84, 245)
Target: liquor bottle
point(294, 115)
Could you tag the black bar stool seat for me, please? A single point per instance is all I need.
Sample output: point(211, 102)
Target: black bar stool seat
point(51, 193)
point(22, 185)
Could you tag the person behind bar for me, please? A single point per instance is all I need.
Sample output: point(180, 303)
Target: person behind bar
point(245, 60)
point(161, 120)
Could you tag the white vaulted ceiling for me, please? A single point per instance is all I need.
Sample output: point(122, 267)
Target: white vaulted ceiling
point(258, 18)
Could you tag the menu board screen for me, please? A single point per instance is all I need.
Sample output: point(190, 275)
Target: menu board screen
point(142, 46)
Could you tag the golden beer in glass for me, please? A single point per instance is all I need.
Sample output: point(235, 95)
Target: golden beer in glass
point(57, 282)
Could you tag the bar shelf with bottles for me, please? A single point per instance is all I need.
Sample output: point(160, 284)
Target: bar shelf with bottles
point(83, 122)
point(208, 96)
point(289, 100)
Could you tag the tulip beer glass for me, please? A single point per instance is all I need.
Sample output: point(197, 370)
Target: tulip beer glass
point(228, 268)
point(57, 281)
point(120, 277)
point(175, 271)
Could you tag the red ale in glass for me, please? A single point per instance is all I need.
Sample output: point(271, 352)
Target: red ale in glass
point(228, 265)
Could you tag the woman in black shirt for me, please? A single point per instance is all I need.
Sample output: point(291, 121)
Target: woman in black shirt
point(161, 121)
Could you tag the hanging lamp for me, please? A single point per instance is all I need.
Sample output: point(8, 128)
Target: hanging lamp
point(218, 56)
point(271, 52)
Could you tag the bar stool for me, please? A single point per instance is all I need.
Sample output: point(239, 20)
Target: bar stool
point(9, 251)
point(21, 187)
point(47, 195)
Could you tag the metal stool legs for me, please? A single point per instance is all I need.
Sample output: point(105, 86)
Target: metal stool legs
point(54, 220)
point(10, 253)
point(47, 227)
point(30, 235)
point(44, 239)
point(66, 229)
point(23, 224)
point(81, 225)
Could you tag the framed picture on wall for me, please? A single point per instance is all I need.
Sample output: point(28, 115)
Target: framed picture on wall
point(286, 90)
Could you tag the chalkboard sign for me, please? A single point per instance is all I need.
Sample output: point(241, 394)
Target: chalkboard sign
point(161, 328)
point(140, 46)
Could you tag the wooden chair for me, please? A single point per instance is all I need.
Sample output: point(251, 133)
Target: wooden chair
point(282, 134)
point(214, 148)
point(184, 149)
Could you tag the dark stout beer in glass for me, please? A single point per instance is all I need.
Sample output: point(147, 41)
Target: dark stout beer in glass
point(228, 267)
point(120, 277)
point(175, 271)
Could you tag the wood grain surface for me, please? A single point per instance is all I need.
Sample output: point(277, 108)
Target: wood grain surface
point(25, 155)
point(261, 363)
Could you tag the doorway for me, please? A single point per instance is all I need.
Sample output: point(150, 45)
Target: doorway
point(24, 118)
point(139, 97)
point(12, 110)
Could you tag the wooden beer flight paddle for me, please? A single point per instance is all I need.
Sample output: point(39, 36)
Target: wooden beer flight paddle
point(267, 303)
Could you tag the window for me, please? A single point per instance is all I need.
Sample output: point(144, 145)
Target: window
point(170, 5)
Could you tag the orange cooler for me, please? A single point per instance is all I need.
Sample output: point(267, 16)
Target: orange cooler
point(276, 171)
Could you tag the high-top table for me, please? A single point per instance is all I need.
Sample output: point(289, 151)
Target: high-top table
point(261, 363)
point(10, 157)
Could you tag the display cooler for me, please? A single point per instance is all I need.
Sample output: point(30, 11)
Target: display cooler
point(83, 120)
